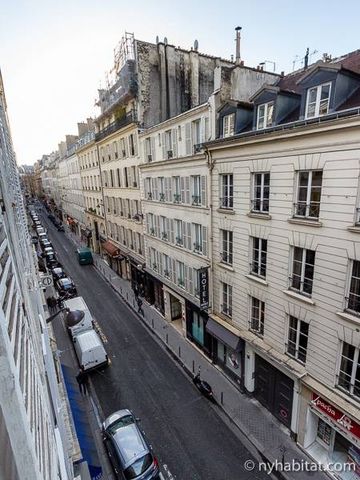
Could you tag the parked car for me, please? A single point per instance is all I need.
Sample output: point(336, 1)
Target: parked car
point(60, 227)
point(57, 273)
point(45, 244)
point(34, 239)
point(129, 452)
point(89, 349)
point(51, 217)
point(48, 250)
point(51, 260)
point(65, 286)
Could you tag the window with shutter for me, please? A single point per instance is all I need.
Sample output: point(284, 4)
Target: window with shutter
point(187, 190)
point(190, 285)
point(171, 229)
point(204, 241)
point(153, 154)
point(173, 273)
point(182, 189)
point(174, 141)
point(163, 144)
point(157, 225)
point(203, 190)
point(188, 138)
point(154, 189)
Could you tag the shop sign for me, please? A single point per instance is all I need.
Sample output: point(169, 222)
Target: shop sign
point(204, 288)
point(338, 417)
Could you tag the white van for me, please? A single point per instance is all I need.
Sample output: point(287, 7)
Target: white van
point(40, 230)
point(90, 350)
point(78, 303)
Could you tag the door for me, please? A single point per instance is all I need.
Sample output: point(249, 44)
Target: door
point(274, 390)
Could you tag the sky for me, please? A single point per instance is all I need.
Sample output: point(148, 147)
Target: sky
point(54, 54)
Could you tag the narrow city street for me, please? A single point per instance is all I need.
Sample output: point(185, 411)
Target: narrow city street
point(187, 433)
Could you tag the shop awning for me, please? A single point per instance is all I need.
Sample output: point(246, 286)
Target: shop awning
point(223, 334)
point(110, 248)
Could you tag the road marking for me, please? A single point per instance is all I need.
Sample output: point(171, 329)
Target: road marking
point(100, 332)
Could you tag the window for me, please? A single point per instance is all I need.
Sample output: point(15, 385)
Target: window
point(123, 147)
point(265, 115)
point(309, 194)
point(260, 202)
point(196, 132)
point(259, 256)
point(196, 190)
point(297, 339)
point(126, 177)
point(227, 190)
point(198, 238)
point(180, 268)
point(148, 149)
point(166, 265)
point(118, 177)
point(317, 102)
point(349, 373)
point(179, 232)
point(132, 144)
point(161, 185)
point(168, 145)
point(303, 270)
point(226, 306)
point(257, 315)
point(163, 227)
point(227, 246)
point(229, 125)
point(177, 193)
point(353, 300)
point(134, 176)
point(148, 189)
point(151, 224)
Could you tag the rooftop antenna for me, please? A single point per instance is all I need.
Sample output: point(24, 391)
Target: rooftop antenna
point(263, 64)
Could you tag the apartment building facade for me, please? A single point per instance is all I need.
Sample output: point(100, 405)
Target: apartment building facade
point(33, 439)
point(174, 184)
point(91, 186)
point(285, 318)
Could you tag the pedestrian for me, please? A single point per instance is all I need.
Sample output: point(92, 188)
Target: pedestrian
point(82, 380)
point(139, 302)
point(52, 303)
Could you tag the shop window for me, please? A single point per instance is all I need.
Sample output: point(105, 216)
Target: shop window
point(197, 328)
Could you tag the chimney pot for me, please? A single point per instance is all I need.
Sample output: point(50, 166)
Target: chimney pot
point(282, 73)
point(238, 37)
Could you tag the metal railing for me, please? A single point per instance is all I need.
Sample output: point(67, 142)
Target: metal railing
point(309, 211)
point(227, 202)
point(115, 126)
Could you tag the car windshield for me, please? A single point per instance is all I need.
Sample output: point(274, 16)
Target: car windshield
point(138, 467)
point(65, 282)
point(57, 271)
point(121, 422)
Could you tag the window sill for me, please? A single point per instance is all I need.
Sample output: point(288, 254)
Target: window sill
point(300, 297)
point(226, 266)
point(229, 211)
point(349, 317)
point(264, 216)
point(301, 221)
point(354, 228)
point(257, 279)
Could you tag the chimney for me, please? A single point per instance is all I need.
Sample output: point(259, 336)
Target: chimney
point(306, 59)
point(237, 56)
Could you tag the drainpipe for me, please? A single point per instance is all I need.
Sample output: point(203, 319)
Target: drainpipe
point(210, 164)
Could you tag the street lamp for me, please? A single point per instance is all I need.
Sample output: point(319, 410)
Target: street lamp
point(72, 318)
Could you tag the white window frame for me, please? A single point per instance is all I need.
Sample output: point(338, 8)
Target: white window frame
point(196, 189)
point(257, 323)
point(228, 125)
point(259, 255)
point(302, 273)
point(309, 190)
point(226, 294)
point(297, 339)
point(354, 293)
point(227, 251)
point(265, 117)
point(227, 201)
point(355, 367)
point(317, 101)
point(179, 232)
point(180, 271)
point(262, 196)
point(198, 237)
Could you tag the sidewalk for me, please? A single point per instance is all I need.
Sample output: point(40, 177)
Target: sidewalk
point(268, 436)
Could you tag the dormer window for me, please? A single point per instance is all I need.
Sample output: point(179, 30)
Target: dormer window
point(265, 115)
point(317, 102)
point(229, 125)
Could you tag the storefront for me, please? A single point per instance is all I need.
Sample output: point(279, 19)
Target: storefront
point(332, 437)
point(111, 253)
point(196, 332)
point(274, 390)
point(227, 349)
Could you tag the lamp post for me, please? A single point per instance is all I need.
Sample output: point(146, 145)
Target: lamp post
point(72, 318)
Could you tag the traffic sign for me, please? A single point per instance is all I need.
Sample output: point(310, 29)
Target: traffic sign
point(45, 281)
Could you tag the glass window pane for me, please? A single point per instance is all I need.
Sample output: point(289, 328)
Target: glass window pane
point(325, 91)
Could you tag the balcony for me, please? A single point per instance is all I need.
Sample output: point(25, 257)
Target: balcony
point(310, 211)
point(198, 147)
point(196, 200)
point(177, 198)
point(115, 126)
point(226, 202)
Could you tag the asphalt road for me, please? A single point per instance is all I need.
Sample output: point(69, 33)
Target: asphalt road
point(189, 437)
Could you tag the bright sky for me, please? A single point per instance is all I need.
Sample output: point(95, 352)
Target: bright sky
point(54, 54)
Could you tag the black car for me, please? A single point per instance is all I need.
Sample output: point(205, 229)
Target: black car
point(60, 227)
point(57, 273)
point(65, 286)
point(51, 260)
point(51, 217)
point(34, 239)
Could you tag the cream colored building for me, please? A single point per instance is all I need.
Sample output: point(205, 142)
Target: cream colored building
point(286, 256)
point(91, 186)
